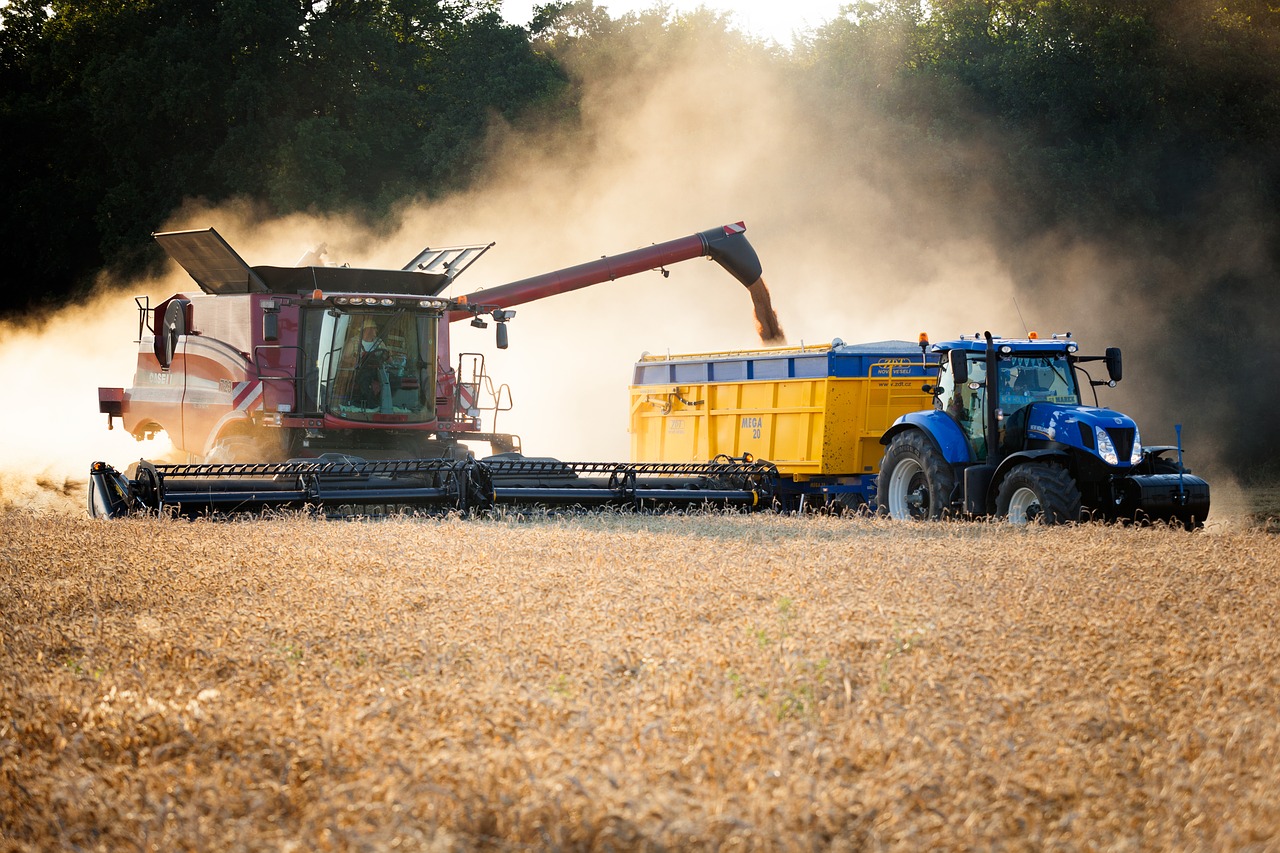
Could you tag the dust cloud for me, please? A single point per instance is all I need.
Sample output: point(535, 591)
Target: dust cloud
point(52, 430)
point(841, 209)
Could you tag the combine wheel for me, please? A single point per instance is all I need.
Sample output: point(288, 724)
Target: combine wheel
point(233, 449)
point(915, 481)
point(1038, 492)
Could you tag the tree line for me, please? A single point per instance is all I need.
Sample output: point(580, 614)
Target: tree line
point(115, 112)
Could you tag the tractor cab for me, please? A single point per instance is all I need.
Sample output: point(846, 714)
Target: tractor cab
point(1023, 373)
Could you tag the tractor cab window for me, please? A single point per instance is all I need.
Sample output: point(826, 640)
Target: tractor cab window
point(377, 367)
point(966, 402)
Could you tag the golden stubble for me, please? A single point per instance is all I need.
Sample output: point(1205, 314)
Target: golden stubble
point(531, 680)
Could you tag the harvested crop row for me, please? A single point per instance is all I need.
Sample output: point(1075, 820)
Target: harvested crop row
point(634, 681)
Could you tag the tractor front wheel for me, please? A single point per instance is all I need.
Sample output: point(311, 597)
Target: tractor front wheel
point(1038, 492)
point(915, 480)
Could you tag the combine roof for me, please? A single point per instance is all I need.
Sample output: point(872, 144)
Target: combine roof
point(219, 270)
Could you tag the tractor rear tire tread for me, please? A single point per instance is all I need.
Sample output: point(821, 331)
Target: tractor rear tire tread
point(939, 480)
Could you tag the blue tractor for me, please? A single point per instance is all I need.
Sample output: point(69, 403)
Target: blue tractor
point(1009, 436)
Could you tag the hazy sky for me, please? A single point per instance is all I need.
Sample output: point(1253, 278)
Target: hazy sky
point(774, 19)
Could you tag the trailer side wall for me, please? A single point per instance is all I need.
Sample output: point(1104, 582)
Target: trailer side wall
point(812, 411)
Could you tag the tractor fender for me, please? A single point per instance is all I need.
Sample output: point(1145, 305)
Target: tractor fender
point(1013, 459)
point(941, 430)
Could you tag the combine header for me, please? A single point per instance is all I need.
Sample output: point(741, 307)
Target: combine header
point(331, 386)
point(349, 486)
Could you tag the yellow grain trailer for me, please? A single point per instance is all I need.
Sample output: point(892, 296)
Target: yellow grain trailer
point(816, 412)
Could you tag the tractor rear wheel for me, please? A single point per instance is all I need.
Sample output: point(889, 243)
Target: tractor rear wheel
point(1035, 491)
point(915, 480)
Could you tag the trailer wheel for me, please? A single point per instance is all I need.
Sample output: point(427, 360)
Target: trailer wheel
point(1038, 492)
point(915, 481)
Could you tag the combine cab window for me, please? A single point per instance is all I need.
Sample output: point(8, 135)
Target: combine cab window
point(377, 367)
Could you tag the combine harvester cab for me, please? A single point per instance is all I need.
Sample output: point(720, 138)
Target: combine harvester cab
point(324, 385)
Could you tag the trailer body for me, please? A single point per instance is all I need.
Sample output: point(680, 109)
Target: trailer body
point(816, 412)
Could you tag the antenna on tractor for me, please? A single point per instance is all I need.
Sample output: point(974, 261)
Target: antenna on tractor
point(1025, 328)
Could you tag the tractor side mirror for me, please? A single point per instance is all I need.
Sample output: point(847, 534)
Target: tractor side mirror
point(959, 367)
point(502, 335)
point(1114, 367)
point(271, 326)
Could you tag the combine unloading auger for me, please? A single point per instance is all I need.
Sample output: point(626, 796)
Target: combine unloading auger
point(349, 486)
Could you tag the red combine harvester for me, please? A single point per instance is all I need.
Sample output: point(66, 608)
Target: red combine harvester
point(326, 385)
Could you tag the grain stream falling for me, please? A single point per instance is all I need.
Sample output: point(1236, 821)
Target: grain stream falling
point(767, 326)
point(632, 682)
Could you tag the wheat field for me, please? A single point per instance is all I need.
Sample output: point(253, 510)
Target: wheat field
point(630, 682)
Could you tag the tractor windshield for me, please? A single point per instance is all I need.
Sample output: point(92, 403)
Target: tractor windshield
point(1036, 379)
point(378, 367)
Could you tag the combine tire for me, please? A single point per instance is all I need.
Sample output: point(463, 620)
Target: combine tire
point(235, 448)
point(1038, 492)
point(915, 481)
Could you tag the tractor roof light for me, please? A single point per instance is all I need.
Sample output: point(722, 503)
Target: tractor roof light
point(1033, 336)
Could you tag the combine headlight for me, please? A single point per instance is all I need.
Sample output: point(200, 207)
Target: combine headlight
point(1136, 456)
point(1106, 449)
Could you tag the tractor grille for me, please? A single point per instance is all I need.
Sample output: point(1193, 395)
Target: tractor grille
point(1122, 438)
